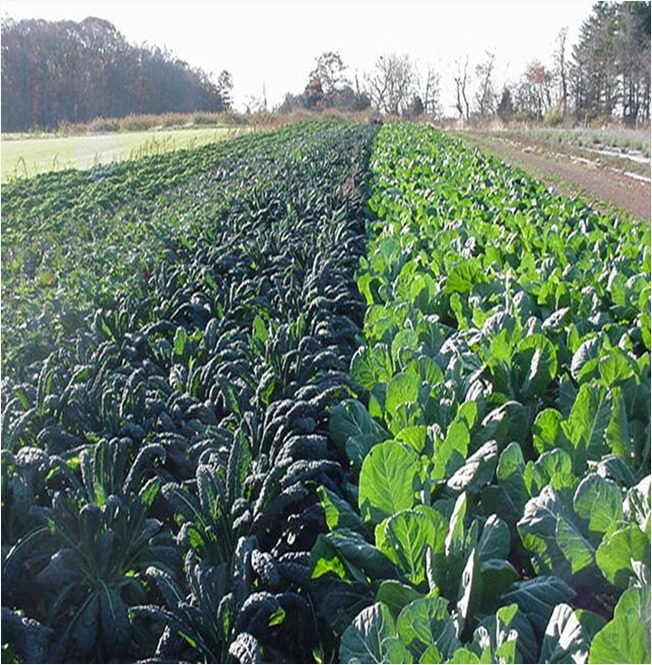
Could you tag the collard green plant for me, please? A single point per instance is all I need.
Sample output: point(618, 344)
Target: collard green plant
point(498, 439)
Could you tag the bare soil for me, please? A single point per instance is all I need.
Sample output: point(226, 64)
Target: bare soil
point(603, 186)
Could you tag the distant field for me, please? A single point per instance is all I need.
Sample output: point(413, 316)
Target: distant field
point(25, 156)
point(617, 138)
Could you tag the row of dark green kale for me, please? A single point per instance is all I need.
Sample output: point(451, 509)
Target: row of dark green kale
point(486, 496)
point(73, 240)
point(160, 468)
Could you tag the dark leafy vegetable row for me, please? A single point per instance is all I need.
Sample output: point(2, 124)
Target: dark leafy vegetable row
point(77, 240)
point(159, 468)
point(499, 506)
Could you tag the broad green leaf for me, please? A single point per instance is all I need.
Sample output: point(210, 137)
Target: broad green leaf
point(402, 389)
point(396, 595)
point(501, 345)
point(554, 467)
point(368, 286)
point(497, 576)
point(509, 473)
point(454, 543)
point(497, 635)
point(405, 346)
point(404, 538)
point(470, 591)
point(389, 480)
point(576, 548)
point(538, 597)
point(362, 641)
point(626, 638)
point(422, 289)
point(426, 369)
point(357, 447)
point(646, 325)
point(617, 552)
point(477, 471)
point(452, 451)
point(445, 568)
point(468, 413)
point(426, 621)
point(617, 435)
point(415, 436)
point(351, 427)
point(568, 635)
point(588, 351)
point(534, 364)
point(371, 365)
point(338, 512)
point(589, 419)
point(349, 556)
point(638, 502)
point(350, 418)
point(557, 320)
point(567, 393)
point(504, 424)
point(548, 433)
point(600, 503)
point(462, 277)
point(615, 367)
point(463, 656)
point(395, 651)
point(495, 539)
point(538, 531)
point(617, 470)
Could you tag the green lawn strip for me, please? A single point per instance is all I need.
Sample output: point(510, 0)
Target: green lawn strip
point(29, 156)
point(498, 439)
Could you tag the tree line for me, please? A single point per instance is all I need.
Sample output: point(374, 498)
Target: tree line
point(63, 71)
point(606, 75)
point(54, 72)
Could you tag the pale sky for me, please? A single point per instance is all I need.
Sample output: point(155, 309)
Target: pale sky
point(274, 43)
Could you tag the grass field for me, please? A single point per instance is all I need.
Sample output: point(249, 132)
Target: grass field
point(24, 156)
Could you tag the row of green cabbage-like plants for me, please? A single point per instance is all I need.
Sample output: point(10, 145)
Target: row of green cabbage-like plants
point(498, 504)
point(159, 466)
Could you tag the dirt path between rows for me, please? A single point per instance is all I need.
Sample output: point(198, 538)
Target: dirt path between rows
point(567, 175)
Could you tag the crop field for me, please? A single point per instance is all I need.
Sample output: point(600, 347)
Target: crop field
point(610, 138)
point(25, 156)
point(329, 393)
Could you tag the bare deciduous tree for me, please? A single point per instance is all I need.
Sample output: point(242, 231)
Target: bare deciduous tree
point(430, 92)
point(485, 96)
point(461, 82)
point(391, 84)
point(561, 70)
